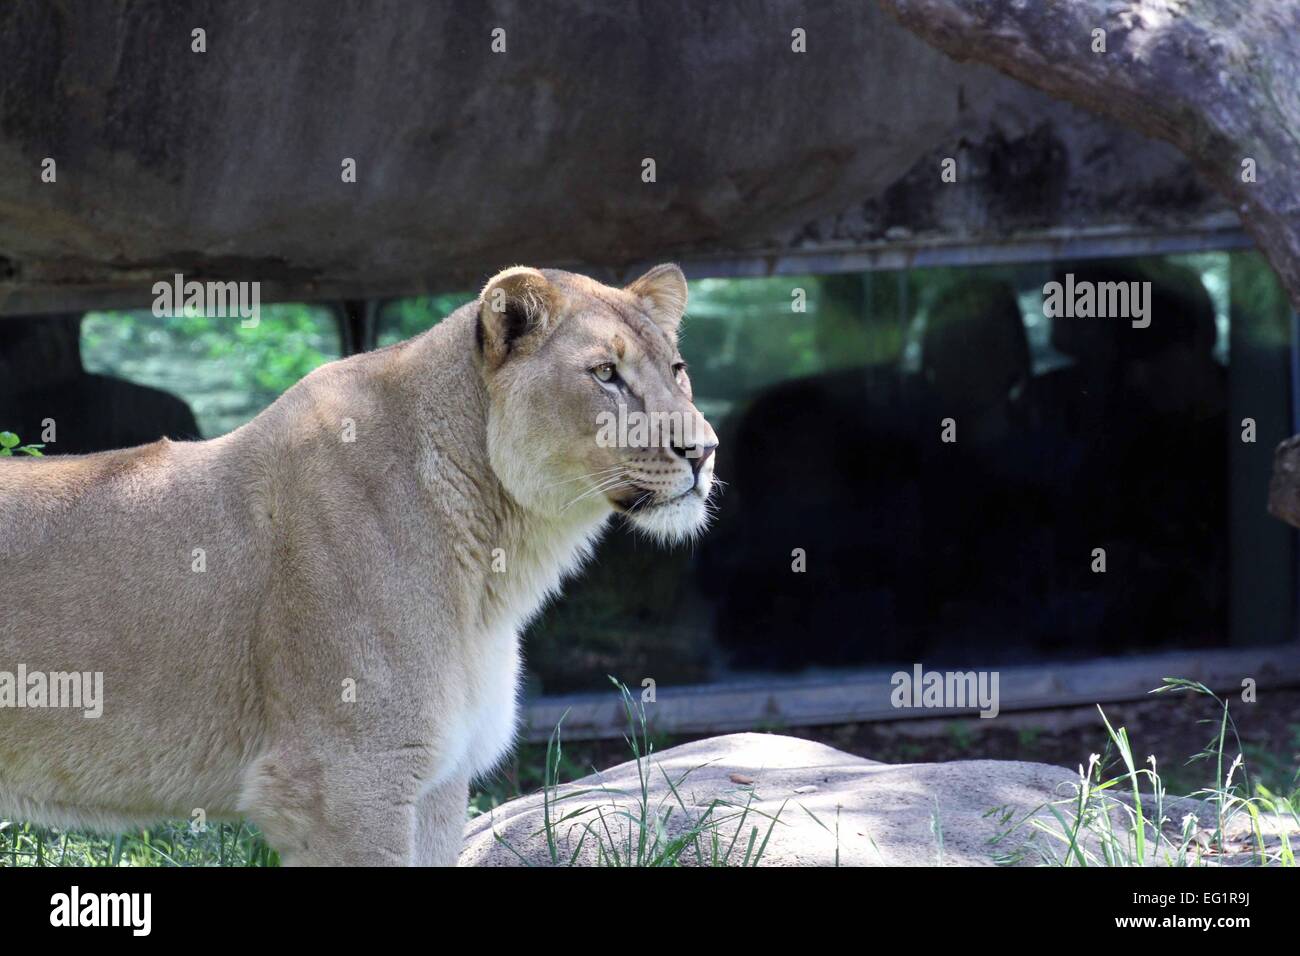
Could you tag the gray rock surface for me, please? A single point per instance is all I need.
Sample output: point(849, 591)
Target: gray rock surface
point(964, 813)
point(885, 812)
point(226, 164)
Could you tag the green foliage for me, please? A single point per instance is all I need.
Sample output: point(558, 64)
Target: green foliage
point(11, 444)
point(174, 843)
point(634, 830)
point(1258, 298)
point(226, 372)
point(403, 318)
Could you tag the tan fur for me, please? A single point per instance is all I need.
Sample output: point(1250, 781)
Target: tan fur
point(328, 561)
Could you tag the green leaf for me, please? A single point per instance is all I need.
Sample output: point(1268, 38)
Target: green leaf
point(8, 440)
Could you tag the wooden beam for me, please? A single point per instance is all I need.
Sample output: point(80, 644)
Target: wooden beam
point(862, 696)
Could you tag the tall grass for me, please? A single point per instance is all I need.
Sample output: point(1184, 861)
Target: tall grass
point(1127, 819)
point(174, 843)
point(636, 829)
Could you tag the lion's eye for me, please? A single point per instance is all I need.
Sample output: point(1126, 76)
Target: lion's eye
point(679, 372)
point(604, 373)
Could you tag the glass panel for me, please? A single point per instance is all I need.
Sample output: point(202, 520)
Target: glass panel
point(402, 318)
point(223, 372)
point(932, 465)
point(1070, 434)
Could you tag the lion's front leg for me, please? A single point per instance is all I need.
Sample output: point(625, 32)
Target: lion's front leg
point(318, 810)
point(440, 822)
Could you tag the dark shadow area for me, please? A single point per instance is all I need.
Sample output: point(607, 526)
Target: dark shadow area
point(42, 379)
point(980, 548)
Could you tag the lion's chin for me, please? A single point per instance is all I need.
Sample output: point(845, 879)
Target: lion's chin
point(678, 519)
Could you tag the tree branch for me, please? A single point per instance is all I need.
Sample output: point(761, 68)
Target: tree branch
point(1219, 79)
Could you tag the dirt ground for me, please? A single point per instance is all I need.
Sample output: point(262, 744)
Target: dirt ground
point(1172, 726)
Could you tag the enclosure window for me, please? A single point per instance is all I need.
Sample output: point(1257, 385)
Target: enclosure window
point(1073, 437)
point(224, 372)
point(401, 319)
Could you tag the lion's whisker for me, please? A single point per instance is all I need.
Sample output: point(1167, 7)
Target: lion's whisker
point(595, 474)
point(603, 485)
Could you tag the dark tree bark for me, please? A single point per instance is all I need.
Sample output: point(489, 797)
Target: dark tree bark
point(1219, 79)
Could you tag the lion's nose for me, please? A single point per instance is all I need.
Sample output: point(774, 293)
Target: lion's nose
point(696, 455)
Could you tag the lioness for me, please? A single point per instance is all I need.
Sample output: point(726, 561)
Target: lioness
point(314, 620)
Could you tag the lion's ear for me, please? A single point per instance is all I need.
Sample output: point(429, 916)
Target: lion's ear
point(662, 292)
point(515, 303)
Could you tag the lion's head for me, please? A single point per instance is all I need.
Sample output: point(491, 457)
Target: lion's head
point(590, 405)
